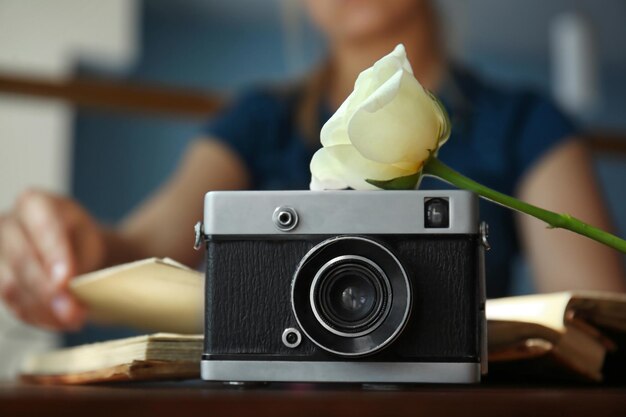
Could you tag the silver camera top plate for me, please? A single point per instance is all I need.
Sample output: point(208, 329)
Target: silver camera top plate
point(245, 213)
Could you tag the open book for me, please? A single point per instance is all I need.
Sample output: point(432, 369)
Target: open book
point(151, 357)
point(564, 335)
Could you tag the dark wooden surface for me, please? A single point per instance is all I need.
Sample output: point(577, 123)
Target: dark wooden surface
point(181, 399)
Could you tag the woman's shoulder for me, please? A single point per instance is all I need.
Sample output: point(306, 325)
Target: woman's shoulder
point(251, 112)
point(255, 120)
point(518, 124)
point(511, 104)
point(264, 98)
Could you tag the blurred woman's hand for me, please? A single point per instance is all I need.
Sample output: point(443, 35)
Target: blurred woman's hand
point(44, 242)
point(48, 239)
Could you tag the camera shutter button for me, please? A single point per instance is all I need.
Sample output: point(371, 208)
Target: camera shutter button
point(285, 218)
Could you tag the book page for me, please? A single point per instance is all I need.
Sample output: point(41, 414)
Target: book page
point(152, 294)
point(556, 309)
point(101, 355)
point(544, 309)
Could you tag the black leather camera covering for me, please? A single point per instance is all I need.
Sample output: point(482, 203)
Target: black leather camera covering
point(248, 299)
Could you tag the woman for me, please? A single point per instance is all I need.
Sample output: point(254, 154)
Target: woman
point(513, 141)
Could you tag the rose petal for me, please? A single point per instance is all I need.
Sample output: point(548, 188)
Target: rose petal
point(326, 172)
point(384, 68)
point(342, 166)
point(335, 130)
point(374, 77)
point(400, 52)
point(397, 123)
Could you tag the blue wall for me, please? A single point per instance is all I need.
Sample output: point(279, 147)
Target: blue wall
point(119, 158)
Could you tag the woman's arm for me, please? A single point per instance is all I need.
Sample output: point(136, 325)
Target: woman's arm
point(163, 225)
point(564, 181)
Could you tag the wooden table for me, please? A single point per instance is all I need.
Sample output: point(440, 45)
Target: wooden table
point(197, 398)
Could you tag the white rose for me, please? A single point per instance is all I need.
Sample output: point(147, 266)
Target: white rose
point(385, 130)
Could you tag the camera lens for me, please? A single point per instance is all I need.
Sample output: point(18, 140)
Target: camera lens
point(351, 298)
point(349, 294)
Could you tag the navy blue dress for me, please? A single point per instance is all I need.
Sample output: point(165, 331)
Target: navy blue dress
point(497, 136)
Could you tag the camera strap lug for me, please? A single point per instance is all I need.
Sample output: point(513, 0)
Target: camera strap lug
point(482, 294)
point(484, 234)
point(200, 237)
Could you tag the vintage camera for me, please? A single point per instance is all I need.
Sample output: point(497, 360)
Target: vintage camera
point(343, 286)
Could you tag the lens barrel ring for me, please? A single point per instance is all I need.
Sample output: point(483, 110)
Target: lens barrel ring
point(386, 321)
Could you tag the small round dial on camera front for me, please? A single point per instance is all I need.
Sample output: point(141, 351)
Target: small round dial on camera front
point(291, 338)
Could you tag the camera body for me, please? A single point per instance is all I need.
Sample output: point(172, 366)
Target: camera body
point(344, 286)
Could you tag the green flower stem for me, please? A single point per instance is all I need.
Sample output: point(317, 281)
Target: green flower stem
point(438, 169)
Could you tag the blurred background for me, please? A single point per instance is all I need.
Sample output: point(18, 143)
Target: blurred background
point(99, 98)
